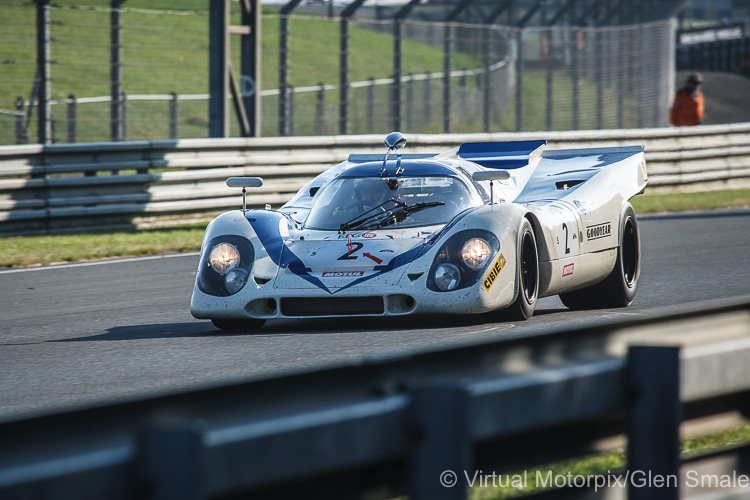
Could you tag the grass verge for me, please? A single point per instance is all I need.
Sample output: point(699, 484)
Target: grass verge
point(25, 251)
point(596, 465)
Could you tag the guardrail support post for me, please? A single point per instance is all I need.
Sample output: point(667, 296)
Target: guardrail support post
point(22, 136)
point(653, 422)
point(441, 453)
point(173, 123)
point(72, 118)
point(170, 462)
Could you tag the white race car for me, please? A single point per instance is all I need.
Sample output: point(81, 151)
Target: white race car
point(485, 228)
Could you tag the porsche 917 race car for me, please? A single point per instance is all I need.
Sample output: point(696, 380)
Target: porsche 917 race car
point(485, 228)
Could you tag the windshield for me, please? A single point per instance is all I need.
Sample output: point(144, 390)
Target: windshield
point(372, 202)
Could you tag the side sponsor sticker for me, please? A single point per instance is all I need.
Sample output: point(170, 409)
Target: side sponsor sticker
point(568, 270)
point(598, 231)
point(489, 280)
point(343, 274)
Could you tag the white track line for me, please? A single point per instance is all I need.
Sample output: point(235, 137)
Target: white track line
point(99, 262)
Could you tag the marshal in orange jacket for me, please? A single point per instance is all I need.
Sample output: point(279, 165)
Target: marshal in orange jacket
point(687, 108)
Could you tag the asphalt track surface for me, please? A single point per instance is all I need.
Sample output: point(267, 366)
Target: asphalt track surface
point(77, 335)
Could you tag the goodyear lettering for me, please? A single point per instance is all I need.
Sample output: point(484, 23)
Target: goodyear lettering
point(598, 231)
point(343, 274)
point(494, 272)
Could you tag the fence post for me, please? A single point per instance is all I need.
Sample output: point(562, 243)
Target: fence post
point(117, 132)
point(462, 94)
point(447, 59)
point(441, 454)
point(72, 117)
point(653, 421)
point(397, 58)
point(577, 77)
point(44, 132)
point(124, 115)
point(344, 78)
point(290, 101)
point(428, 99)
point(599, 76)
point(283, 70)
point(173, 131)
point(410, 102)
point(519, 80)
point(22, 136)
point(371, 106)
point(320, 109)
point(486, 97)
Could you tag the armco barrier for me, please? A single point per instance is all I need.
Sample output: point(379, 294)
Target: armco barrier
point(416, 423)
point(69, 187)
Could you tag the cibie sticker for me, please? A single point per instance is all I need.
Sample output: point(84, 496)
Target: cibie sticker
point(494, 273)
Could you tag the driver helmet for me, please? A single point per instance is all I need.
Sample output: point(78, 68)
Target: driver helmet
point(371, 192)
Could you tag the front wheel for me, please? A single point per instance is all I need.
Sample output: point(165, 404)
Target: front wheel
point(527, 275)
point(618, 289)
point(247, 325)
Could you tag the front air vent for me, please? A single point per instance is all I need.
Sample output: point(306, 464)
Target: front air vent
point(331, 306)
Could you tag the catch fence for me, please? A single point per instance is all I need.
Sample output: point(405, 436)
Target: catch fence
point(318, 78)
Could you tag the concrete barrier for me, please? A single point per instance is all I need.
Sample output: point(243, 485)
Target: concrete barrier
point(70, 187)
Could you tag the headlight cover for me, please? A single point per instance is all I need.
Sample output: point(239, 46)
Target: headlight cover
point(447, 277)
point(468, 252)
point(476, 253)
point(225, 265)
point(224, 257)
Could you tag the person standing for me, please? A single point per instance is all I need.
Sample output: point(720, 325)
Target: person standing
point(687, 108)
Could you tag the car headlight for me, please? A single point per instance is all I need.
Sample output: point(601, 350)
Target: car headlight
point(224, 257)
point(227, 261)
point(461, 260)
point(475, 253)
point(236, 279)
point(447, 277)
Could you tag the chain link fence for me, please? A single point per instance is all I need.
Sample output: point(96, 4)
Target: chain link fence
point(337, 75)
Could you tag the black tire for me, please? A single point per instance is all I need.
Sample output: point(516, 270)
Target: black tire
point(246, 325)
point(618, 289)
point(527, 275)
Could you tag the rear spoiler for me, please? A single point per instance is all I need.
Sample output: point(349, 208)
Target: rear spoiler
point(502, 155)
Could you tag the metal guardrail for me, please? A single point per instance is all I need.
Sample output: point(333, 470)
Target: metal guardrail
point(416, 423)
point(58, 188)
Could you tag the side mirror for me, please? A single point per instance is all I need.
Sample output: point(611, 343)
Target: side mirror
point(395, 140)
point(244, 182)
point(491, 175)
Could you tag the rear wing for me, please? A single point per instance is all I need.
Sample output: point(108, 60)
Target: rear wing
point(502, 155)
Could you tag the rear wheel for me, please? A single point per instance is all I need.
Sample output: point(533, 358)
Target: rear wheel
point(527, 275)
point(618, 289)
point(247, 325)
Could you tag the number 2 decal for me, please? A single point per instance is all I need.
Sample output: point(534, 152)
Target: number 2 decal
point(567, 248)
point(355, 246)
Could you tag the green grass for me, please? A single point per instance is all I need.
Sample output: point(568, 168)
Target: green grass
point(602, 464)
point(25, 251)
point(706, 200)
point(165, 53)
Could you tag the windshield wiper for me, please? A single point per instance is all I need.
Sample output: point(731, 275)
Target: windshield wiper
point(391, 216)
point(361, 219)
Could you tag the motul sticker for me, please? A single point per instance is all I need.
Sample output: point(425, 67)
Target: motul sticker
point(343, 274)
point(494, 273)
point(568, 270)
